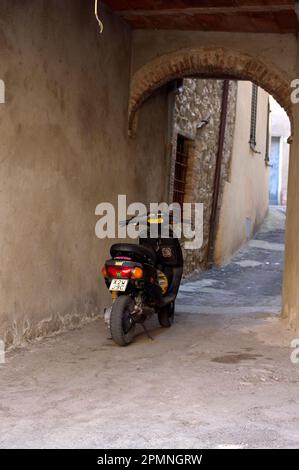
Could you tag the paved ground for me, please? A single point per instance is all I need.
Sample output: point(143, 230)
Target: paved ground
point(252, 279)
point(220, 377)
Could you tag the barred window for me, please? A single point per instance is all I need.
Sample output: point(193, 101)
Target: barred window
point(253, 119)
point(181, 164)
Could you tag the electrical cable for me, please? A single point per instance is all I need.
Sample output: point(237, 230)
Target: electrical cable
point(97, 16)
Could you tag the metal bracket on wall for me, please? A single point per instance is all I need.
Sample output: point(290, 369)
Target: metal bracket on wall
point(252, 148)
point(204, 122)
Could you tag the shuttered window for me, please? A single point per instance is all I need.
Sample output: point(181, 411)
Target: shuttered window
point(252, 139)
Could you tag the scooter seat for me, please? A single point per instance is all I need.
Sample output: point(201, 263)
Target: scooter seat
point(143, 253)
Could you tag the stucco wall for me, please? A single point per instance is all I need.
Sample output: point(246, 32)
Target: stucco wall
point(245, 196)
point(279, 49)
point(291, 276)
point(280, 127)
point(63, 149)
point(284, 172)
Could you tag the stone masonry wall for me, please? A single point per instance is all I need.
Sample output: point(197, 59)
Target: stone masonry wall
point(198, 100)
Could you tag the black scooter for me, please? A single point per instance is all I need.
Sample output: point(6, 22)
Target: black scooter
point(143, 279)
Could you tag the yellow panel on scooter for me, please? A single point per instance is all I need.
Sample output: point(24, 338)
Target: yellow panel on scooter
point(162, 281)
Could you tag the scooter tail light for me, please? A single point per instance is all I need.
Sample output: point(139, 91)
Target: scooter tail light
point(137, 273)
point(117, 272)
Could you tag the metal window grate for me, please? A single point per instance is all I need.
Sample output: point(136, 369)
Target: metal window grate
point(181, 164)
point(253, 119)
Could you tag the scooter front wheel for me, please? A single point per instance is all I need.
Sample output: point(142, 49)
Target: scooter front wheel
point(122, 325)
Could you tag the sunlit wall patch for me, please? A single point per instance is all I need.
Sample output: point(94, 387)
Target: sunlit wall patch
point(2, 92)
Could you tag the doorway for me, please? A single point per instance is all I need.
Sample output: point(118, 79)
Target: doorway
point(274, 178)
point(279, 155)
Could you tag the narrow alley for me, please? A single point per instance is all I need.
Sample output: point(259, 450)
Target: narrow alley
point(251, 281)
point(220, 377)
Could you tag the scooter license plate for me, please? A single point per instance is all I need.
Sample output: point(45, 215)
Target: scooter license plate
point(118, 285)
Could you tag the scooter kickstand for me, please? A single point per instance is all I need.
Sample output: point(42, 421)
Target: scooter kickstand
point(147, 332)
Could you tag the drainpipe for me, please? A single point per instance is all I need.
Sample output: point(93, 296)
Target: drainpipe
point(173, 90)
point(217, 178)
point(267, 156)
point(169, 142)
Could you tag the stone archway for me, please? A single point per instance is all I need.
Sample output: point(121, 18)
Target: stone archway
point(219, 61)
point(206, 60)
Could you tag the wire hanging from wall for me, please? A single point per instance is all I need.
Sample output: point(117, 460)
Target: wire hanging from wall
point(97, 16)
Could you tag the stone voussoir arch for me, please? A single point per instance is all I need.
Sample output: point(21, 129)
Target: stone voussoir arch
point(206, 60)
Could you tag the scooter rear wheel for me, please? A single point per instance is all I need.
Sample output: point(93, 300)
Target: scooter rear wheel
point(166, 315)
point(122, 325)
